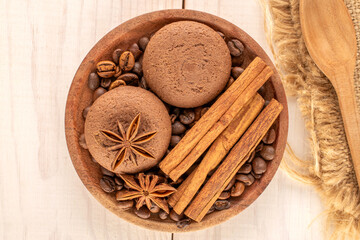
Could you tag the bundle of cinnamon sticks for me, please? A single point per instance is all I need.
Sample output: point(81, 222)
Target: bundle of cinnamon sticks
point(230, 130)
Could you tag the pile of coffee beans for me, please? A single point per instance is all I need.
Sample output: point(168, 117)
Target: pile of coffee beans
point(125, 68)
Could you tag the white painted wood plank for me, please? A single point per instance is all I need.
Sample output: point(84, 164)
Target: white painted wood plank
point(42, 44)
point(286, 208)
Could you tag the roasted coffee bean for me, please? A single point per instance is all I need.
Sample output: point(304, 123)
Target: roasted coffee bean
point(251, 180)
point(224, 196)
point(105, 82)
point(137, 69)
point(116, 84)
point(236, 47)
point(183, 223)
point(197, 112)
point(93, 81)
point(178, 181)
point(237, 189)
point(211, 210)
point(259, 147)
point(236, 72)
point(266, 103)
point(245, 169)
point(118, 187)
point(231, 183)
point(187, 116)
point(173, 117)
point(262, 91)
point(176, 217)
point(107, 184)
point(252, 156)
point(270, 137)
point(154, 208)
point(221, 205)
point(85, 111)
point(143, 212)
point(162, 179)
point(178, 128)
point(82, 141)
point(106, 69)
point(256, 176)
point(119, 181)
point(268, 152)
point(243, 178)
point(221, 35)
point(127, 204)
point(163, 215)
point(258, 165)
point(238, 61)
point(143, 83)
point(230, 82)
point(106, 172)
point(98, 92)
point(116, 55)
point(204, 110)
point(143, 42)
point(174, 140)
point(117, 72)
point(126, 61)
point(126, 186)
point(135, 50)
point(129, 78)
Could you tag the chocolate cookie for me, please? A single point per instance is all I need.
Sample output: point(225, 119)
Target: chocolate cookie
point(187, 64)
point(127, 130)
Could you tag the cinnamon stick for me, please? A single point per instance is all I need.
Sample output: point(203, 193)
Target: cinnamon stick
point(221, 124)
point(216, 153)
point(189, 141)
point(232, 163)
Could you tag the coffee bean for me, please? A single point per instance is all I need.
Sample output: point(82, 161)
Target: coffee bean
point(85, 111)
point(116, 55)
point(118, 187)
point(251, 180)
point(126, 186)
point(105, 82)
point(256, 176)
point(242, 178)
point(252, 156)
point(236, 72)
point(93, 81)
point(178, 128)
point(187, 116)
point(129, 78)
point(126, 61)
point(143, 212)
point(176, 217)
point(266, 103)
point(82, 141)
point(238, 61)
point(135, 50)
point(262, 91)
point(163, 215)
point(106, 172)
point(270, 137)
point(268, 152)
point(258, 165)
point(204, 110)
point(183, 223)
point(221, 35)
point(137, 69)
point(174, 140)
point(197, 112)
point(173, 117)
point(143, 42)
point(211, 210)
point(237, 189)
point(178, 181)
point(125, 204)
point(98, 92)
point(107, 184)
point(119, 181)
point(259, 147)
point(245, 169)
point(231, 183)
point(236, 47)
point(221, 205)
point(154, 208)
point(116, 84)
point(117, 72)
point(230, 82)
point(224, 196)
point(143, 83)
point(106, 69)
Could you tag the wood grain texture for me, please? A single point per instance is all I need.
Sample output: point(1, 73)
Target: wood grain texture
point(41, 197)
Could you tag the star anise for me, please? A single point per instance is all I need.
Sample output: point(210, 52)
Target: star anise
point(146, 191)
point(127, 143)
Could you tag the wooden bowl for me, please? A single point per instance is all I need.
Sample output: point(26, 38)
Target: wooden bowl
point(80, 96)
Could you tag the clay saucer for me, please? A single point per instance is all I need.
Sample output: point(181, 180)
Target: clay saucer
point(80, 96)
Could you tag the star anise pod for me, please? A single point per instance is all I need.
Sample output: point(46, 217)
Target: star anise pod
point(146, 191)
point(127, 143)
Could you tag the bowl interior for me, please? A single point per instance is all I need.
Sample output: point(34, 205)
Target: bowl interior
point(80, 96)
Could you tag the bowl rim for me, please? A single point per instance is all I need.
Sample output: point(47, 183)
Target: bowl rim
point(73, 101)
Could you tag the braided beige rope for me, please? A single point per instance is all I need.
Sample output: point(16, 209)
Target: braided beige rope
point(330, 170)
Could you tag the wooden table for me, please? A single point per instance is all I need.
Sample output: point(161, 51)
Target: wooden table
point(41, 197)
